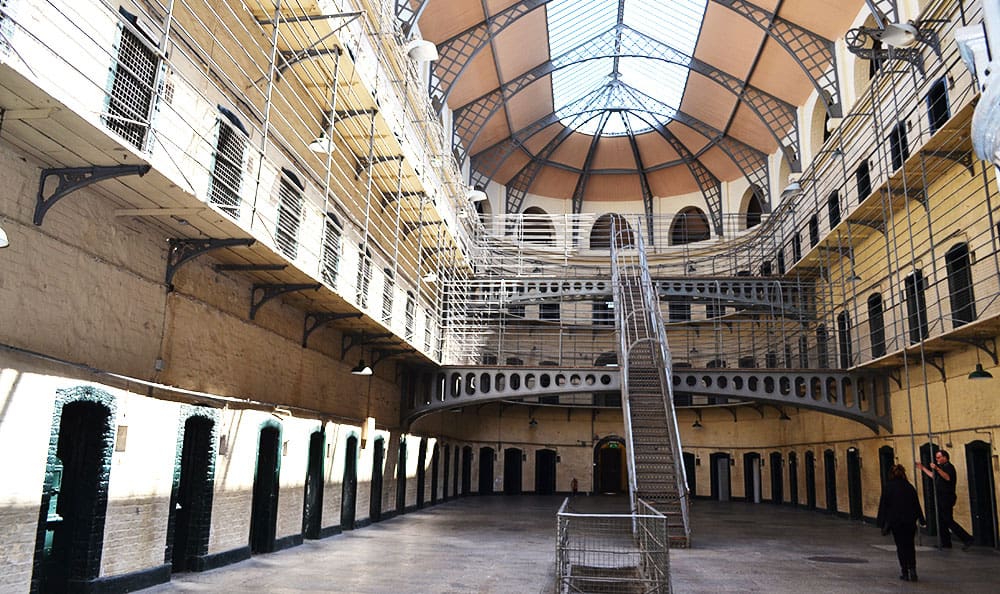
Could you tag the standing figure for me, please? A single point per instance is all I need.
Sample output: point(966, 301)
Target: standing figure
point(898, 512)
point(944, 475)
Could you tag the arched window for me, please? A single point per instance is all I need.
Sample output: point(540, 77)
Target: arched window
point(364, 275)
point(537, 227)
point(813, 230)
point(290, 204)
point(796, 247)
point(689, 225)
point(938, 110)
point(916, 306)
point(844, 339)
point(863, 179)
point(833, 208)
point(876, 325)
point(960, 291)
point(899, 146)
point(753, 207)
point(822, 348)
point(388, 292)
point(605, 226)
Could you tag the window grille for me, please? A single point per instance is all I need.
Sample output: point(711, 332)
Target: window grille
point(428, 335)
point(364, 276)
point(796, 247)
point(679, 311)
point(822, 348)
point(833, 209)
point(548, 311)
point(603, 313)
point(132, 86)
point(813, 230)
point(411, 312)
point(388, 288)
point(331, 250)
point(227, 170)
point(290, 204)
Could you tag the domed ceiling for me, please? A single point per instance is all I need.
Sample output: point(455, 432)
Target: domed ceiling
point(621, 99)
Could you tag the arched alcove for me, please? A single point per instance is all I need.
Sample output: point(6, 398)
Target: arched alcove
point(689, 225)
point(752, 207)
point(537, 227)
point(611, 224)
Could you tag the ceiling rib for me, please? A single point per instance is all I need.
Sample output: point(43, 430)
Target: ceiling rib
point(814, 53)
point(647, 193)
point(777, 115)
point(581, 182)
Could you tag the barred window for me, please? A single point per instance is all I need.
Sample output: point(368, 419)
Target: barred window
point(331, 250)
point(364, 276)
point(227, 170)
point(289, 213)
point(916, 306)
point(411, 312)
point(388, 289)
point(428, 333)
point(132, 85)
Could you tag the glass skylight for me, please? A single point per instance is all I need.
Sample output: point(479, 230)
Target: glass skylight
point(598, 83)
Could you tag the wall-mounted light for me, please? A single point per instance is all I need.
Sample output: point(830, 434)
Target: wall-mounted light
point(979, 373)
point(367, 430)
point(421, 50)
point(532, 423)
point(697, 421)
point(362, 368)
point(477, 195)
point(4, 242)
point(322, 145)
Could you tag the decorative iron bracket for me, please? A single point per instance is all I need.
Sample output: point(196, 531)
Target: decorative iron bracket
point(842, 251)
point(317, 319)
point(980, 344)
point(390, 197)
point(72, 179)
point(936, 360)
point(856, 40)
point(383, 354)
point(963, 158)
point(411, 227)
point(349, 341)
point(877, 225)
point(269, 292)
point(182, 251)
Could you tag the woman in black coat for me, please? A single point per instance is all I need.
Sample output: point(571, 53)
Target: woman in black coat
point(898, 512)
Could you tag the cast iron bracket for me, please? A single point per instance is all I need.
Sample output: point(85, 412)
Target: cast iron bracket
point(317, 319)
point(72, 179)
point(269, 292)
point(182, 251)
point(349, 341)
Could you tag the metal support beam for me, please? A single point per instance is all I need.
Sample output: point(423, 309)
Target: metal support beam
point(268, 292)
point(317, 319)
point(383, 354)
point(181, 251)
point(72, 179)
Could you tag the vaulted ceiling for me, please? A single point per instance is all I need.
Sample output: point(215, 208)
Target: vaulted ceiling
point(604, 100)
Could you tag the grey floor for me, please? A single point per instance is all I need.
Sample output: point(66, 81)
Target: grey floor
point(506, 544)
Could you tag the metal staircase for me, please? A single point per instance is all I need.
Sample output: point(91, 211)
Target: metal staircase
point(656, 472)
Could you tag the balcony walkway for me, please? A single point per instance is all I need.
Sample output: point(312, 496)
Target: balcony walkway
point(504, 544)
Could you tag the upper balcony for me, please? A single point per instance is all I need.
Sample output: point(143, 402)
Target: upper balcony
point(296, 144)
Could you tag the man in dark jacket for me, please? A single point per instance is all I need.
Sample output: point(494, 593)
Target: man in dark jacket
point(898, 512)
point(944, 474)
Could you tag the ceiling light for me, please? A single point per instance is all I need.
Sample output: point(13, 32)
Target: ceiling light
point(362, 369)
point(532, 423)
point(696, 424)
point(979, 373)
point(322, 145)
point(477, 196)
point(4, 242)
point(898, 35)
point(421, 50)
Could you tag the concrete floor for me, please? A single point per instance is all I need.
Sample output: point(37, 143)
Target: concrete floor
point(506, 545)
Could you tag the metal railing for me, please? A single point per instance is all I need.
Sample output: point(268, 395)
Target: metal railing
point(614, 553)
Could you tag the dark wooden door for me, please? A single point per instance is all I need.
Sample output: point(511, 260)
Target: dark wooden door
point(264, 509)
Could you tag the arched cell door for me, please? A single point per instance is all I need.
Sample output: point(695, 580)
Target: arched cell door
point(75, 496)
point(545, 472)
point(312, 508)
point(854, 484)
point(810, 462)
point(777, 490)
point(349, 486)
point(375, 494)
point(927, 452)
point(751, 477)
point(421, 471)
point(982, 503)
point(610, 469)
point(435, 468)
point(793, 478)
point(886, 460)
point(830, 476)
point(486, 459)
point(512, 464)
point(721, 490)
point(264, 506)
point(191, 501)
